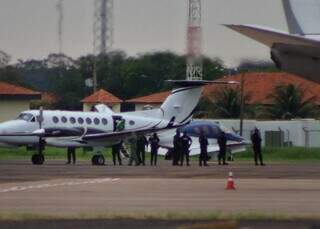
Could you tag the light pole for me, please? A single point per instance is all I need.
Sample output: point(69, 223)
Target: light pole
point(241, 102)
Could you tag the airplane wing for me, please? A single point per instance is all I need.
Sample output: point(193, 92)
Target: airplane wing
point(123, 134)
point(48, 132)
point(296, 54)
point(269, 37)
point(213, 149)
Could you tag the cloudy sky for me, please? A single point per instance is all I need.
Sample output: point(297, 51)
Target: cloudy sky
point(29, 28)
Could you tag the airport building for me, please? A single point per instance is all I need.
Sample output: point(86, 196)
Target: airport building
point(102, 97)
point(259, 86)
point(149, 101)
point(15, 99)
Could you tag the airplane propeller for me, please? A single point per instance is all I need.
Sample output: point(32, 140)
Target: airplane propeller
point(40, 158)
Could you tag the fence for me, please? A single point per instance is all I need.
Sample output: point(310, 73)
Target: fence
point(305, 132)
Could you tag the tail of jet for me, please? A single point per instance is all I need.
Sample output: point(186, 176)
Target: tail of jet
point(302, 16)
point(180, 104)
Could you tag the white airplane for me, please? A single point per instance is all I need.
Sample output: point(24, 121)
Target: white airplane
point(100, 129)
point(297, 52)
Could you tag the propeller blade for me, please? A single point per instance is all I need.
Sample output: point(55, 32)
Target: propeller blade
point(40, 117)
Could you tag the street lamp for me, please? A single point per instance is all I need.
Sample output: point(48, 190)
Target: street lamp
point(241, 102)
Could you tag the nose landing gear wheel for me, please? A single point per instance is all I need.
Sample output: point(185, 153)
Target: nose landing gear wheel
point(98, 160)
point(37, 159)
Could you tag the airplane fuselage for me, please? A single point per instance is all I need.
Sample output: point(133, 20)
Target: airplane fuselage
point(64, 123)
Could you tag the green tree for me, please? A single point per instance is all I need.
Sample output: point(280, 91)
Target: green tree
point(10, 74)
point(289, 102)
point(226, 103)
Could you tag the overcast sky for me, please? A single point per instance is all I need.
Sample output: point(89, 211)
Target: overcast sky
point(29, 28)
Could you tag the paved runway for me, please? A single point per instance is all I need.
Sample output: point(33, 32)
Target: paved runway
point(18, 171)
point(78, 196)
point(82, 189)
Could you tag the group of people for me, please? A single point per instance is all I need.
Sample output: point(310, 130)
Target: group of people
point(181, 149)
point(138, 150)
point(181, 145)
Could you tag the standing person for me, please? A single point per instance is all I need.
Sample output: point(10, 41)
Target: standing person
point(141, 147)
point(133, 149)
point(222, 142)
point(203, 157)
point(185, 145)
point(256, 144)
point(176, 148)
point(116, 153)
point(154, 143)
point(71, 154)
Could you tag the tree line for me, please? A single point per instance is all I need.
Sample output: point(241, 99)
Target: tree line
point(125, 77)
point(131, 76)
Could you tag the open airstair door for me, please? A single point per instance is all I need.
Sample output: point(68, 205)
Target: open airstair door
point(118, 123)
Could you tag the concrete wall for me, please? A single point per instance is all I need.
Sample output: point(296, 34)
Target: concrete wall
point(88, 106)
point(305, 132)
point(10, 109)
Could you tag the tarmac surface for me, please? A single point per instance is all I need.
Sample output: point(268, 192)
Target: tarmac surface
point(21, 171)
point(66, 190)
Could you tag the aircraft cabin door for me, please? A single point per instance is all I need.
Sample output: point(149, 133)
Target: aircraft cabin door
point(118, 123)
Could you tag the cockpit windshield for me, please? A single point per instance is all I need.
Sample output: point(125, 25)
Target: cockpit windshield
point(26, 117)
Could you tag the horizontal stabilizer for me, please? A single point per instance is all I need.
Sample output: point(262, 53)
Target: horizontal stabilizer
point(269, 37)
point(198, 83)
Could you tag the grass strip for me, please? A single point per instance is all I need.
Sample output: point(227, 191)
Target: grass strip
point(208, 215)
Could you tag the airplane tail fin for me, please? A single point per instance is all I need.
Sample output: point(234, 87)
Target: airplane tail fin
point(302, 16)
point(181, 103)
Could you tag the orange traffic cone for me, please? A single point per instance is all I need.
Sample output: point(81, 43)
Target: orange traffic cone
point(230, 183)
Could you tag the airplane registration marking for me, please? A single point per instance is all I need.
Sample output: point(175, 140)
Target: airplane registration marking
point(71, 183)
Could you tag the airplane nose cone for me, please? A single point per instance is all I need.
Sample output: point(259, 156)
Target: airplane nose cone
point(4, 127)
point(13, 126)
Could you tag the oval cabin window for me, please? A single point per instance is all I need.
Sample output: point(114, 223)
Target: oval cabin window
point(64, 119)
point(55, 119)
point(96, 121)
point(72, 120)
point(104, 121)
point(88, 121)
point(80, 120)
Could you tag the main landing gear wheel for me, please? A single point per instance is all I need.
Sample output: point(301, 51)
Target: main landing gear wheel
point(98, 160)
point(37, 159)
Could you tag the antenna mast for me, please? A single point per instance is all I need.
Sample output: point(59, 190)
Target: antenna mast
point(103, 26)
point(194, 41)
point(60, 25)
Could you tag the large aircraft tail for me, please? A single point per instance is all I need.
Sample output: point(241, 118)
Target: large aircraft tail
point(302, 16)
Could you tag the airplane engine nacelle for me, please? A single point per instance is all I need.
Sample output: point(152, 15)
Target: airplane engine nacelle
point(301, 61)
